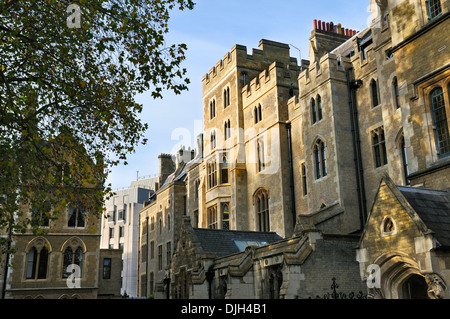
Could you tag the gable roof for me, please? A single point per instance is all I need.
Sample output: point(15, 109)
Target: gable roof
point(433, 207)
point(428, 208)
point(227, 242)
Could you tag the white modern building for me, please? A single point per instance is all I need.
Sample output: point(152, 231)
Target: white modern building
point(120, 229)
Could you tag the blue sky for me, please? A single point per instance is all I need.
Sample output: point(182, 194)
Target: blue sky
point(210, 30)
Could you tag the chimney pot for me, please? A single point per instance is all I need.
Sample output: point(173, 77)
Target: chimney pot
point(315, 24)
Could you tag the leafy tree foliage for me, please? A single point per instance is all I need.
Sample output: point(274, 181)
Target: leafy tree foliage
point(68, 79)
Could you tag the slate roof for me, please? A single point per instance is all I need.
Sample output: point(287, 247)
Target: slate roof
point(433, 207)
point(228, 242)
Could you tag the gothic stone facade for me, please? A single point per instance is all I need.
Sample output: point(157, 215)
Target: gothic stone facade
point(291, 145)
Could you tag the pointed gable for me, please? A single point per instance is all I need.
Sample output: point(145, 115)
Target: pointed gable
point(390, 206)
point(412, 211)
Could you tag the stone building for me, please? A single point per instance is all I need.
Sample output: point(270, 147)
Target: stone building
point(160, 218)
point(298, 148)
point(405, 243)
point(62, 260)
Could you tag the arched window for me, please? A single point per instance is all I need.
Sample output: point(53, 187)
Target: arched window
point(319, 108)
point(374, 92)
point(388, 226)
point(258, 113)
point(225, 216)
point(212, 109)
point(434, 8)
point(440, 122)
point(224, 170)
point(226, 97)
point(71, 257)
point(213, 140)
point(227, 129)
point(320, 159)
point(261, 202)
point(37, 261)
point(313, 111)
point(395, 93)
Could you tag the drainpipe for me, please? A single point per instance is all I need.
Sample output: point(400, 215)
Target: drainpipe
point(146, 258)
point(352, 86)
point(291, 173)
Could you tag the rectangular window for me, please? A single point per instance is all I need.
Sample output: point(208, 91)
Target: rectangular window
point(305, 188)
point(212, 217)
point(196, 219)
point(144, 253)
point(152, 283)
point(160, 257)
point(76, 217)
point(169, 252)
point(212, 174)
point(379, 147)
point(152, 249)
point(106, 268)
point(434, 8)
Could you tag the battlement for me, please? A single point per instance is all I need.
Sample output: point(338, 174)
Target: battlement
point(267, 52)
point(276, 73)
point(330, 66)
point(227, 58)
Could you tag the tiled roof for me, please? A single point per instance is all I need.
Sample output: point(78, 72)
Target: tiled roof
point(228, 242)
point(433, 207)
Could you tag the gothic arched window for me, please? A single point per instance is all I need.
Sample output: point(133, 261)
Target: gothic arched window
point(261, 202)
point(320, 159)
point(226, 97)
point(313, 111)
point(37, 261)
point(319, 108)
point(224, 170)
point(71, 257)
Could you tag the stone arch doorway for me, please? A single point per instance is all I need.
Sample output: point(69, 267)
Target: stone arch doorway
point(414, 287)
point(398, 274)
